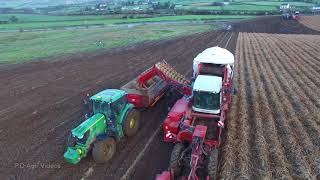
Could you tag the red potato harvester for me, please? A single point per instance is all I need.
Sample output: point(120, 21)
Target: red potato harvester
point(196, 122)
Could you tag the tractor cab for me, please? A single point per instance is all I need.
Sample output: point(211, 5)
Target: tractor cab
point(108, 102)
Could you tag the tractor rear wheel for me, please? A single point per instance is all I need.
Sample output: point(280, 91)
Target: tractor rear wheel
point(131, 123)
point(104, 150)
point(175, 161)
point(212, 164)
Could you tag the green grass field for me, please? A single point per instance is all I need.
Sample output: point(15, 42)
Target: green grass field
point(36, 3)
point(244, 5)
point(27, 18)
point(64, 21)
point(20, 47)
point(276, 3)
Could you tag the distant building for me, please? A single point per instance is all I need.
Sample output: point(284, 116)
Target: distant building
point(315, 9)
point(218, 4)
point(154, 2)
point(286, 7)
point(137, 8)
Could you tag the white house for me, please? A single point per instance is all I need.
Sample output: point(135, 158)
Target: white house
point(285, 6)
point(315, 9)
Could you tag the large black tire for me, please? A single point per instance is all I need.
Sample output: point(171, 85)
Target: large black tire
point(213, 164)
point(175, 161)
point(131, 123)
point(104, 150)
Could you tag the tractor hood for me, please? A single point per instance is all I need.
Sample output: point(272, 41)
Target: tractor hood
point(83, 136)
point(86, 125)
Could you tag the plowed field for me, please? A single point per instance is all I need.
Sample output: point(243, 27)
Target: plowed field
point(274, 127)
point(312, 22)
point(275, 120)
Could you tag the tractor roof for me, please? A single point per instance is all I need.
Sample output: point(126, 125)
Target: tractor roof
point(208, 83)
point(109, 95)
point(86, 125)
point(215, 55)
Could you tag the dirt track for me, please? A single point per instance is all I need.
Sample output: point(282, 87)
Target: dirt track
point(41, 102)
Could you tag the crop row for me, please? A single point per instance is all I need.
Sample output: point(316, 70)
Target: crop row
point(274, 124)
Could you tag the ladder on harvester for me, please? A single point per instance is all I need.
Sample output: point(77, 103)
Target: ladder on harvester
point(175, 79)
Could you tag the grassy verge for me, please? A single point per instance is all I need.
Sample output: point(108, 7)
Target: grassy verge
point(19, 47)
point(94, 21)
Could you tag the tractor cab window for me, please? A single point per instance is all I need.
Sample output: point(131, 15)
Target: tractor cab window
point(206, 100)
point(101, 107)
point(105, 108)
point(118, 105)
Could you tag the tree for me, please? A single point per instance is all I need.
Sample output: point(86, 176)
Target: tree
point(13, 19)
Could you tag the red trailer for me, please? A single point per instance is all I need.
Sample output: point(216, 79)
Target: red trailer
point(151, 85)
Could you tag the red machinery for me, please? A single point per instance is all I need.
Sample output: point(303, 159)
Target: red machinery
point(151, 85)
point(296, 16)
point(197, 133)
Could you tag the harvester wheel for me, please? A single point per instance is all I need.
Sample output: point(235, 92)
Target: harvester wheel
point(131, 123)
point(104, 150)
point(175, 162)
point(212, 164)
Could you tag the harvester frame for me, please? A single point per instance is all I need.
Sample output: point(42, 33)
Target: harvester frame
point(190, 132)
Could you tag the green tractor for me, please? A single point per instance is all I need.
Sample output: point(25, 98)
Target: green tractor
point(113, 118)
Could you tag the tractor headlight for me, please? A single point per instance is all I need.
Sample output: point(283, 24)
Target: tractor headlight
point(79, 151)
point(169, 135)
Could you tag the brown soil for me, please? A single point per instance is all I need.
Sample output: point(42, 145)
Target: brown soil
point(274, 128)
point(312, 22)
point(42, 100)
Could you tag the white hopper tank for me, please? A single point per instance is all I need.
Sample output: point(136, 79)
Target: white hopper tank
point(214, 55)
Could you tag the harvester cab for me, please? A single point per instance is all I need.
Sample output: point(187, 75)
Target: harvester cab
point(296, 16)
point(207, 94)
point(112, 118)
point(211, 69)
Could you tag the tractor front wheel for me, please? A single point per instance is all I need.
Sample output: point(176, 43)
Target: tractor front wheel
point(104, 150)
point(131, 123)
point(212, 164)
point(175, 160)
